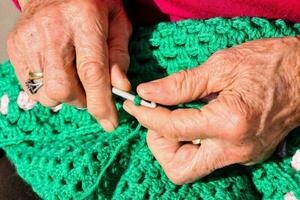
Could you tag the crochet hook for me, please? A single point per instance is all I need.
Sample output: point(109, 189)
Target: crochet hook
point(132, 97)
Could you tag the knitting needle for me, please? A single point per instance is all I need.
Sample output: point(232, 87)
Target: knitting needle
point(131, 97)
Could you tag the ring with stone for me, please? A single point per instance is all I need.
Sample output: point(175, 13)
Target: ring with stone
point(35, 82)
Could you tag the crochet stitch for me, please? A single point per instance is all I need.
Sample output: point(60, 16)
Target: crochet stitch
point(137, 100)
point(67, 155)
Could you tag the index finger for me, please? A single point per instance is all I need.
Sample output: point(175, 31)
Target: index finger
point(219, 118)
point(179, 125)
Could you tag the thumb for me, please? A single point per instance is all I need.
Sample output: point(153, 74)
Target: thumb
point(184, 86)
point(119, 35)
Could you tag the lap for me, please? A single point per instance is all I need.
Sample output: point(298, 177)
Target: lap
point(12, 187)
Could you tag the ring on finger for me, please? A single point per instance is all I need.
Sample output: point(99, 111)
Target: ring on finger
point(35, 75)
point(35, 82)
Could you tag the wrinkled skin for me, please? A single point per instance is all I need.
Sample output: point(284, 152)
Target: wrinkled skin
point(258, 104)
point(257, 83)
point(81, 46)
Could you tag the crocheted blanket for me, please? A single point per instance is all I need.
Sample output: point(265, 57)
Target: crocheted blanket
point(63, 153)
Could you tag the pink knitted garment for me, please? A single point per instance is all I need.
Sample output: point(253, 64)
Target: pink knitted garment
point(203, 9)
point(16, 2)
point(150, 11)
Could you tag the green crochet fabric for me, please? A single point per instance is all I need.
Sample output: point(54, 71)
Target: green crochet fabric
point(67, 155)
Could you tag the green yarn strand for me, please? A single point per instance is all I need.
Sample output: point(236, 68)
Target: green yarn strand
point(137, 100)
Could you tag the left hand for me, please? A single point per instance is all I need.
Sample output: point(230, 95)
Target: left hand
point(258, 104)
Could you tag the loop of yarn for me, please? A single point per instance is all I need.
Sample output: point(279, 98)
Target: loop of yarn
point(67, 154)
point(137, 100)
point(289, 196)
point(25, 102)
point(4, 104)
point(57, 108)
point(296, 161)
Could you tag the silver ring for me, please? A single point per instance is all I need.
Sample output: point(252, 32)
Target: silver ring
point(34, 85)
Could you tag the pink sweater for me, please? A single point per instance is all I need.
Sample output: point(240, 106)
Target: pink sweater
point(150, 11)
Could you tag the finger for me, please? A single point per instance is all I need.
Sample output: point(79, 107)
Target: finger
point(119, 34)
point(22, 70)
point(93, 70)
point(28, 39)
point(186, 85)
point(178, 125)
point(62, 83)
point(174, 158)
point(183, 86)
point(220, 118)
point(186, 162)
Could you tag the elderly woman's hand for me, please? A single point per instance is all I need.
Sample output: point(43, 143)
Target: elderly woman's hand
point(258, 104)
point(81, 46)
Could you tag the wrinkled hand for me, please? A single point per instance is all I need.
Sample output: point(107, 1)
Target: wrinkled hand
point(258, 104)
point(81, 46)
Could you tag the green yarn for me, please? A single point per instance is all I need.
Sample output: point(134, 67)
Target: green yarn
point(67, 155)
point(137, 100)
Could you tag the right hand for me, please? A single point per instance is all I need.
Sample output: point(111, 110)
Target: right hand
point(81, 46)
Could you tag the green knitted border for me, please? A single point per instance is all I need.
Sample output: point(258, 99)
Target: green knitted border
point(66, 154)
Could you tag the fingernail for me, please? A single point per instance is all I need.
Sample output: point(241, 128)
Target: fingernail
point(148, 88)
point(126, 84)
point(107, 125)
point(122, 74)
point(122, 81)
point(126, 108)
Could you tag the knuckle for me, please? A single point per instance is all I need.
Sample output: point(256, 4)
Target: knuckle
point(47, 20)
point(228, 54)
point(170, 129)
point(223, 59)
point(92, 74)
point(219, 55)
point(238, 127)
point(80, 8)
point(173, 130)
point(51, 26)
point(88, 16)
point(26, 33)
point(89, 11)
point(183, 83)
point(87, 7)
point(181, 77)
point(59, 90)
